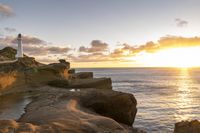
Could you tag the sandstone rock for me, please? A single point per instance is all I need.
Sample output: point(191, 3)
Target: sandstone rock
point(11, 126)
point(117, 105)
point(56, 68)
point(64, 62)
point(8, 53)
point(78, 111)
point(20, 65)
point(27, 72)
point(98, 83)
point(59, 83)
point(8, 80)
point(187, 127)
point(46, 73)
point(2, 58)
point(82, 75)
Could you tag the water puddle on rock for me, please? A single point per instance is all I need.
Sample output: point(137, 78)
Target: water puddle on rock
point(12, 106)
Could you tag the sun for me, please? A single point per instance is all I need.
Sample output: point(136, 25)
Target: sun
point(173, 57)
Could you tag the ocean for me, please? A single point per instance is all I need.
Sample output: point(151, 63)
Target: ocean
point(164, 95)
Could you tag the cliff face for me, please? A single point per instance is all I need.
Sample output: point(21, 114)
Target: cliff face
point(91, 107)
point(7, 80)
point(27, 71)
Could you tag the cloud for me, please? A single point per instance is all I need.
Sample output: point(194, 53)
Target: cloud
point(58, 50)
point(9, 30)
point(96, 46)
point(98, 50)
point(30, 40)
point(163, 43)
point(5, 11)
point(126, 51)
point(34, 46)
point(180, 22)
point(89, 58)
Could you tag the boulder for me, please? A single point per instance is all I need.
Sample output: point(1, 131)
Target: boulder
point(187, 127)
point(117, 105)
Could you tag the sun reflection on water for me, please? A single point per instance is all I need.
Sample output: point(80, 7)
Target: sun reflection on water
point(184, 96)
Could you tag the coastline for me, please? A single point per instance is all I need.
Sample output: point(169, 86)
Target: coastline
point(54, 94)
point(35, 79)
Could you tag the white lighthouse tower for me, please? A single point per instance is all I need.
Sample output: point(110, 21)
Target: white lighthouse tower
point(20, 46)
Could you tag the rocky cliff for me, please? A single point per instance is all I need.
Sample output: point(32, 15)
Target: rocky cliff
point(26, 71)
point(74, 102)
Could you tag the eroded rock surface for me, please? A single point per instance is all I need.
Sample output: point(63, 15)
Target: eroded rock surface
point(26, 71)
point(84, 111)
point(117, 105)
point(7, 53)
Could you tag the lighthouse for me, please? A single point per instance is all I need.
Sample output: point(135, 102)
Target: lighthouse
point(20, 46)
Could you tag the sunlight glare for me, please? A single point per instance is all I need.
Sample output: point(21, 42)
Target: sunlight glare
point(174, 57)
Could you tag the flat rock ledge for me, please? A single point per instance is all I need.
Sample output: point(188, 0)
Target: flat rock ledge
point(84, 111)
point(98, 83)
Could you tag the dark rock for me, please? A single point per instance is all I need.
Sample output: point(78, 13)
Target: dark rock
point(98, 83)
point(187, 127)
point(59, 83)
point(117, 105)
point(71, 71)
point(82, 75)
point(64, 62)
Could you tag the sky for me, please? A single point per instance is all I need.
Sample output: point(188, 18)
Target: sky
point(96, 31)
